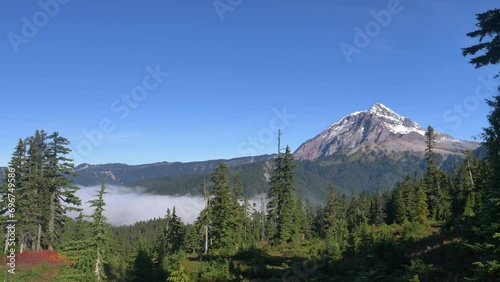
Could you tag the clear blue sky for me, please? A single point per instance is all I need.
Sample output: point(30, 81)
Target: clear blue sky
point(228, 70)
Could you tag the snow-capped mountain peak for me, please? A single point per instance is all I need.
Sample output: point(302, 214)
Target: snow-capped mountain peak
point(373, 127)
point(379, 109)
point(394, 122)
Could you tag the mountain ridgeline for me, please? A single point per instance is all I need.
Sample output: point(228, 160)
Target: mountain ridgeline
point(363, 151)
point(378, 128)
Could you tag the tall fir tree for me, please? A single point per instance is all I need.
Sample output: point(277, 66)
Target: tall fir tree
point(89, 253)
point(15, 185)
point(60, 190)
point(100, 233)
point(335, 227)
point(225, 219)
point(488, 24)
point(377, 209)
point(37, 185)
point(399, 206)
point(421, 204)
point(281, 196)
point(439, 203)
point(175, 233)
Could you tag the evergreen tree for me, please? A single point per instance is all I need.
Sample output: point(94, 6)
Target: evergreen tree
point(377, 209)
point(308, 221)
point(411, 187)
point(489, 28)
point(439, 205)
point(159, 251)
point(100, 232)
point(399, 206)
point(225, 210)
point(15, 184)
point(36, 186)
point(353, 212)
point(422, 210)
point(90, 253)
point(143, 267)
point(282, 198)
point(487, 23)
point(468, 186)
point(191, 242)
point(59, 185)
point(335, 227)
point(175, 232)
point(299, 220)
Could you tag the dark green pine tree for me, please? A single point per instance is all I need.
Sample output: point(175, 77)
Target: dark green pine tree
point(14, 184)
point(439, 203)
point(243, 211)
point(89, 253)
point(399, 206)
point(308, 221)
point(430, 180)
point(299, 220)
point(191, 240)
point(175, 233)
point(335, 226)
point(159, 251)
point(411, 185)
point(225, 220)
point(353, 212)
point(421, 205)
point(281, 196)
point(469, 183)
point(404, 201)
point(143, 267)
point(100, 232)
point(377, 209)
point(488, 24)
point(36, 188)
point(61, 192)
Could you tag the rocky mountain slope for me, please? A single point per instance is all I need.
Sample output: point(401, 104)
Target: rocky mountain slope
point(378, 127)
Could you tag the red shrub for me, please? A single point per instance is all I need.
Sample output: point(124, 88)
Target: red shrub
point(30, 258)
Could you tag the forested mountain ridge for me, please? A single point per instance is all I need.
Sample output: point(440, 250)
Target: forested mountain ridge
point(118, 173)
point(364, 170)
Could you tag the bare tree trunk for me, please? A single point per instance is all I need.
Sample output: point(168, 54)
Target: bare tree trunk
point(262, 221)
point(97, 269)
point(52, 220)
point(6, 242)
point(206, 239)
point(21, 247)
point(39, 238)
point(470, 173)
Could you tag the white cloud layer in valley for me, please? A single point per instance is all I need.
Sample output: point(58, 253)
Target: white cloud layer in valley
point(125, 205)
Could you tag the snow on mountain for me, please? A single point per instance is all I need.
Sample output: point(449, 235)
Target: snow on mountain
point(377, 126)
